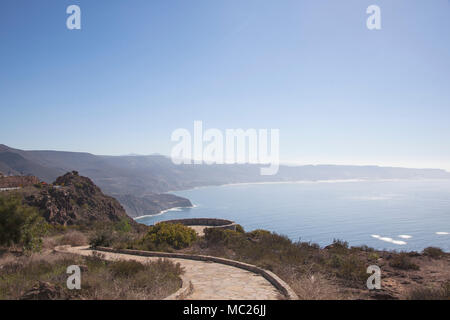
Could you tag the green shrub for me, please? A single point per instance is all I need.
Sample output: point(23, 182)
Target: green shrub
point(123, 225)
point(373, 256)
point(240, 228)
point(164, 235)
point(259, 233)
point(352, 268)
point(433, 252)
point(219, 236)
point(101, 238)
point(402, 261)
point(20, 225)
point(348, 267)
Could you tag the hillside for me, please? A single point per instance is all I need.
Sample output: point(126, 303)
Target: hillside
point(146, 177)
point(151, 203)
point(74, 200)
point(140, 175)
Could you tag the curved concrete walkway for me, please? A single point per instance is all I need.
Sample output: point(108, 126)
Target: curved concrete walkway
point(211, 281)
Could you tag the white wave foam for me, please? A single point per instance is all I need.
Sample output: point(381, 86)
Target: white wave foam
point(390, 240)
point(163, 212)
point(405, 236)
point(442, 233)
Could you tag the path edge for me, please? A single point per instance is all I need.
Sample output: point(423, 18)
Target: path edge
point(278, 283)
point(187, 288)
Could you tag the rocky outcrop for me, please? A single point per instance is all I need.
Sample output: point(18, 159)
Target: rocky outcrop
point(75, 200)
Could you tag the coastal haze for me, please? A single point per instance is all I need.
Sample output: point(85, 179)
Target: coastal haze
point(141, 183)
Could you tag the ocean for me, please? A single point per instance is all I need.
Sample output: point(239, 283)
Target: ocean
point(395, 215)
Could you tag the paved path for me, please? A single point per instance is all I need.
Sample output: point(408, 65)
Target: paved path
point(211, 281)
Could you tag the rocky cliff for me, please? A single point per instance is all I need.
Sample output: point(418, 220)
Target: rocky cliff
point(151, 203)
point(74, 200)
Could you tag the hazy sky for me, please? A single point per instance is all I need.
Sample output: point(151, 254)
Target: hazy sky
point(137, 70)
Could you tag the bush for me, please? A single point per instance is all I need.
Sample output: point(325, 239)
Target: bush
point(442, 293)
point(20, 225)
point(219, 236)
point(373, 256)
point(74, 238)
point(433, 252)
point(402, 261)
point(164, 235)
point(124, 268)
point(109, 280)
point(109, 236)
point(259, 233)
point(338, 246)
point(101, 238)
point(123, 226)
point(351, 268)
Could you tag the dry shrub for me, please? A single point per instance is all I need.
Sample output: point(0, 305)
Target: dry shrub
point(50, 242)
point(74, 238)
point(428, 293)
point(101, 279)
point(404, 262)
point(433, 252)
point(314, 287)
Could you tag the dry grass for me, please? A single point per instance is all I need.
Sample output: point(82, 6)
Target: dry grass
point(430, 293)
point(74, 238)
point(314, 287)
point(69, 237)
point(103, 279)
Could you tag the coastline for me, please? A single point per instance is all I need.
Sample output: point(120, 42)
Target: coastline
point(272, 183)
point(303, 182)
point(162, 212)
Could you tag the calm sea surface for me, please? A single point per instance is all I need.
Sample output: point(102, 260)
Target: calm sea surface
point(400, 215)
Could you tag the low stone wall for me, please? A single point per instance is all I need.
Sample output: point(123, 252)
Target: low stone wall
point(282, 286)
point(186, 289)
point(208, 222)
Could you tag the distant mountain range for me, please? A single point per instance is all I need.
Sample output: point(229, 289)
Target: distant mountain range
point(138, 181)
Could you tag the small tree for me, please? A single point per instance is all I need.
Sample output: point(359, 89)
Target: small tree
point(20, 225)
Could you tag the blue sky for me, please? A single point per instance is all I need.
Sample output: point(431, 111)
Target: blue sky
point(137, 70)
